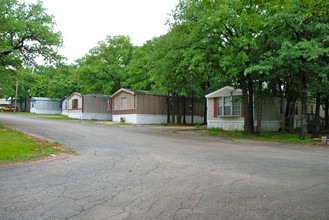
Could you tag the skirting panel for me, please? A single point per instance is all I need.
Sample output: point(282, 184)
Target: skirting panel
point(75, 115)
point(238, 125)
point(65, 112)
point(91, 116)
point(97, 116)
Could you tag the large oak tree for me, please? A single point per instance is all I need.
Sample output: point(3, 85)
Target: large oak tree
point(26, 32)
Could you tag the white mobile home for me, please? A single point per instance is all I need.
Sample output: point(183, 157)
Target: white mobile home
point(225, 110)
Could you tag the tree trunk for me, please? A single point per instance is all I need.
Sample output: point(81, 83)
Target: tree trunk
point(173, 120)
point(251, 104)
point(184, 110)
point(287, 113)
point(326, 113)
point(192, 121)
point(283, 119)
point(178, 112)
point(259, 108)
point(205, 115)
point(248, 106)
point(317, 116)
point(168, 108)
point(303, 131)
point(291, 116)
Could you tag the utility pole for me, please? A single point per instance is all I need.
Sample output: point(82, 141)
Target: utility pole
point(16, 94)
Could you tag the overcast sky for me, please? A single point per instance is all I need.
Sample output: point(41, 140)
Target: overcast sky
point(85, 22)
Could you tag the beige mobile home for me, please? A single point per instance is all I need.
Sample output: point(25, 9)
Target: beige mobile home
point(141, 108)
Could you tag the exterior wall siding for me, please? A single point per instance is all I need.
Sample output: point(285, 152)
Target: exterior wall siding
point(45, 107)
point(270, 109)
point(151, 104)
point(80, 103)
point(94, 104)
point(124, 112)
point(131, 102)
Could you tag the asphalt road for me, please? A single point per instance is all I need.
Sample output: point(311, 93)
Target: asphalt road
point(145, 173)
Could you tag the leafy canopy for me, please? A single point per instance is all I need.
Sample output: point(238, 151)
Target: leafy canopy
point(26, 32)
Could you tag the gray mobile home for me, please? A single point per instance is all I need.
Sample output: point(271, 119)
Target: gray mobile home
point(43, 105)
point(89, 106)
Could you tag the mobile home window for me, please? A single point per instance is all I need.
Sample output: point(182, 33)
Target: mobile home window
point(124, 103)
point(236, 108)
point(225, 107)
point(75, 104)
point(220, 106)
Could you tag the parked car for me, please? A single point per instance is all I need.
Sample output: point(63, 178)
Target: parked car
point(5, 107)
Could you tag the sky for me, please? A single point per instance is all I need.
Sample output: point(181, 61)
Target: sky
point(84, 23)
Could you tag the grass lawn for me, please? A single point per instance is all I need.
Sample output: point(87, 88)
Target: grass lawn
point(18, 147)
point(264, 136)
point(19, 113)
point(57, 117)
point(46, 116)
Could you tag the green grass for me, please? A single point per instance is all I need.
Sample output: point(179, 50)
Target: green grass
point(264, 136)
point(45, 116)
point(29, 114)
point(18, 147)
point(58, 117)
point(20, 113)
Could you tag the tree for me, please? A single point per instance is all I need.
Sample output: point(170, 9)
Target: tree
point(102, 70)
point(230, 31)
point(137, 71)
point(26, 32)
point(301, 33)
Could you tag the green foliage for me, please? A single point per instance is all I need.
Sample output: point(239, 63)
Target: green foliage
point(102, 70)
point(26, 32)
point(137, 71)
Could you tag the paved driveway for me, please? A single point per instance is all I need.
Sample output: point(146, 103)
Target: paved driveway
point(144, 173)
